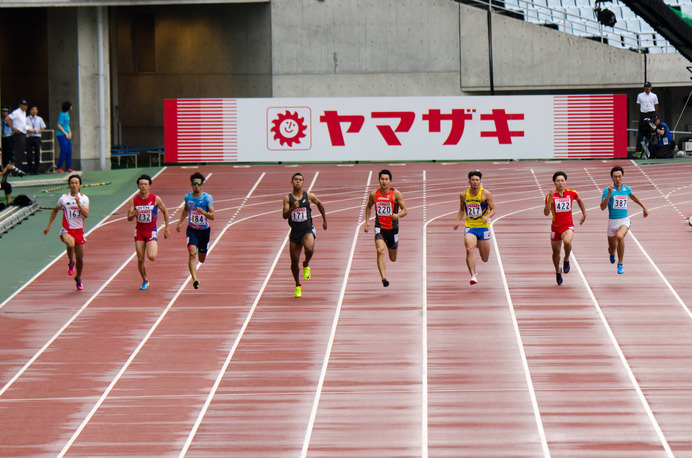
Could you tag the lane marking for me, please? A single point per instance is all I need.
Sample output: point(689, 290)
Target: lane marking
point(424, 336)
point(665, 196)
point(134, 354)
point(332, 334)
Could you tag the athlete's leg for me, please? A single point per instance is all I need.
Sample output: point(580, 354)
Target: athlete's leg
point(620, 238)
point(140, 246)
point(79, 255)
point(470, 241)
point(567, 242)
point(484, 249)
point(381, 265)
point(308, 247)
point(152, 250)
point(68, 240)
point(294, 250)
point(192, 261)
point(556, 245)
point(392, 254)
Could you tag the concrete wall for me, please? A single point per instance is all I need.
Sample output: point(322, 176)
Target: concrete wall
point(364, 48)
point(200, 51)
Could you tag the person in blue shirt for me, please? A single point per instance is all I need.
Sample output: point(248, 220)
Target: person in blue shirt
point(7, 138)
point(615, 198)
point(64, 136)
point(665, 147)
point(199, 208)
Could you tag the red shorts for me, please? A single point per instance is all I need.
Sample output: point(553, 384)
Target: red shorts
point(557, 231)
point(76, 234)
point(146, 236)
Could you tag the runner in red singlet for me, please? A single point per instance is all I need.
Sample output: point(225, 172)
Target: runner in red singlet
point(144, 208)
point(389, 208)
point(559, 203)
point(75, 207)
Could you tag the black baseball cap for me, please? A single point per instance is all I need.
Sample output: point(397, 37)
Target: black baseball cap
point(23, 102)
point(647, 84)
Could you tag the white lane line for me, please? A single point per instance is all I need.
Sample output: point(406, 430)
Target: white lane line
point(335, 322)
point(424, 336)
point(237, 340)
point(517, 333)
point(623, 359)
point(535, 178)
point(665, 196)
point(98, 225)
point(134, 354)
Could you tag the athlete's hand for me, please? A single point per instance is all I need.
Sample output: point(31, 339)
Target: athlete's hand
point(76, 199)
point(178, 228)
point(583, 218)
point(366, 226)
point(45, 231)
point(485, 220)
point(610, 189)
point(395, 216)
point(166, 233)
point(456, 226)
point(296, 204)
point(645, 212)
point(324, 225)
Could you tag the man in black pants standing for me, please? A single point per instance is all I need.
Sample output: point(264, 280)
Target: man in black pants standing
point(648, 108)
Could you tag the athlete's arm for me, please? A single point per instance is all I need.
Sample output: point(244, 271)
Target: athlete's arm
point(399, 199)
point(209, 213)
point(548, 203)
point(132, 211)
point(183, 215)
point(641, 204)
point(462, 211)
point(287, 208)
point(583, 210)
point(491, 206)
point(82, 209)
point(371, 202)
point(52, 217)
point(313, 198)
point(604, 202)
point(162, 207)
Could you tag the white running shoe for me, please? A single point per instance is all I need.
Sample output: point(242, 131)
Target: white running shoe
point(473, 280)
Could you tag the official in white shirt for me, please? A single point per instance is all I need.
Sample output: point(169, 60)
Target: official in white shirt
point(34, 128)
point(648, 108)
point(17, 121)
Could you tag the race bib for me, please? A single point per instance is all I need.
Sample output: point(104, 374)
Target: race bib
point(474, 210)
point(299, 215)
point(383, 208)
point(73, 213)
point(563, 204)
point(198, 219)
point(620, 203)
point(144, 217)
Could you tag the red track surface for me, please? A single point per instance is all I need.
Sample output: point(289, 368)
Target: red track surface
point(600, 366)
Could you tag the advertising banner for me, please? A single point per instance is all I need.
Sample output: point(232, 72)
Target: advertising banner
point(395, 128)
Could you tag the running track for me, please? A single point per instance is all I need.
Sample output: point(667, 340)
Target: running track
point(600, 366)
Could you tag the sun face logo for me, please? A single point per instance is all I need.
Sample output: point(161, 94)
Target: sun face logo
point(289, 128)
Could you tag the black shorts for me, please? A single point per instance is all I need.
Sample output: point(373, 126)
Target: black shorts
point(390, 237)
point(296, 236)
point(6, 187)
point(198, 238)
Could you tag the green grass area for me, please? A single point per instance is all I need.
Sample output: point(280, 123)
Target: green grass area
point(25, 250)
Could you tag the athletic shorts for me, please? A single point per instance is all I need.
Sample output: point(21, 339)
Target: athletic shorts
point(557, 231)
point(76, 234)
point(7, 187)
point(615, 224)
point(296, 236)
point(145, 236)
point(481, 233)
point(198, 238)
point(389, 236)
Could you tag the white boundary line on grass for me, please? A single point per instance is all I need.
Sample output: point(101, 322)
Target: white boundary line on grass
point(144, 340)
point(332, 334)
point(62, 253)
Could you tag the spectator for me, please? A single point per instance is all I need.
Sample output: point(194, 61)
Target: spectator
point(17, 121)
point(665, 146)
point(648, 108)
point(7, 140)
point(64, 135)
point(4, 185)
point(34, 128)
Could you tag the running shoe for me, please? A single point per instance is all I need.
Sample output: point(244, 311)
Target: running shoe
point(306, 273)
point(612, 259)
point(298, 292)
point(195, 284)
point(60, 171)
point(385, 282)
point(565, 267)
point(145, 285)
point(621, 269)
point(558, 278)
point(79, 284)
point(473, 280)
point(70, 269)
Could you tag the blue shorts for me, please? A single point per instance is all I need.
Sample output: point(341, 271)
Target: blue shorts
point(481, 233)
point(198, 238)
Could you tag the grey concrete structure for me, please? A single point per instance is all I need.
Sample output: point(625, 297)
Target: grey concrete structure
point(300, 48)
